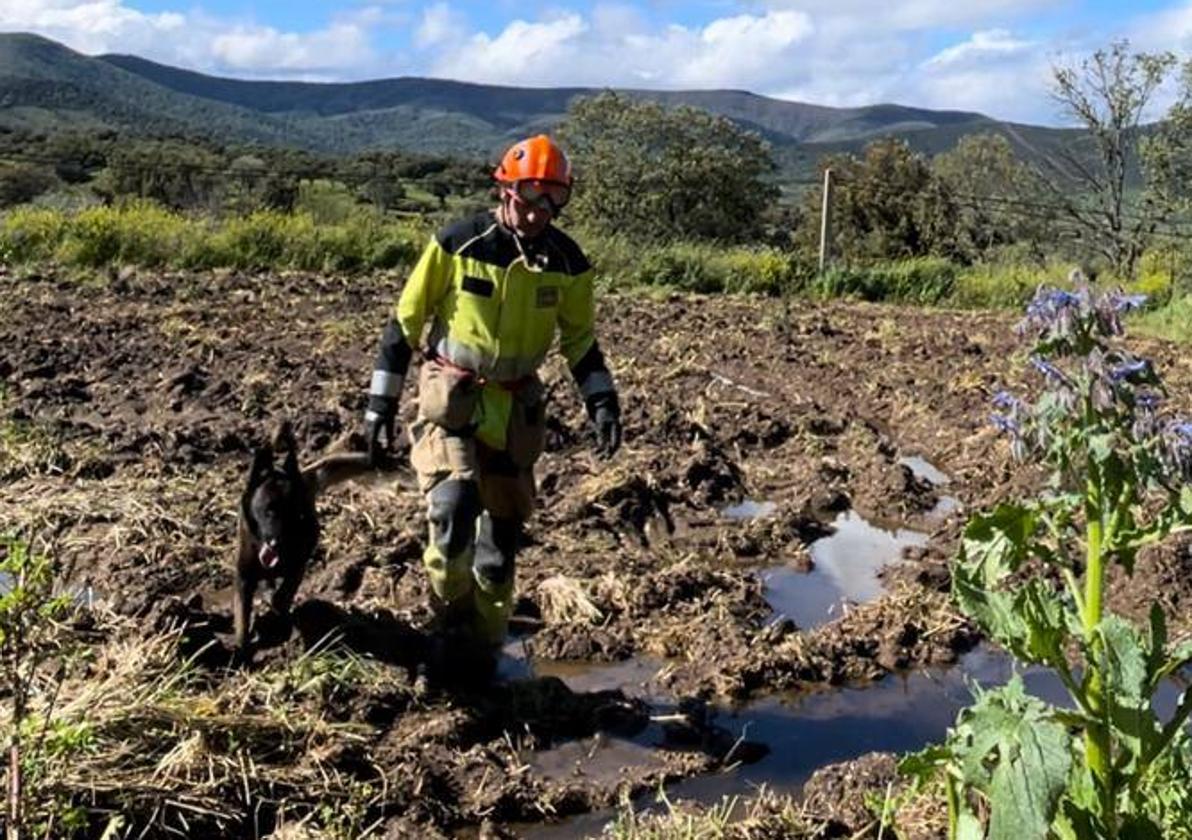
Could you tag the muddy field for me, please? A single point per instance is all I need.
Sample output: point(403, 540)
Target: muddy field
point(131, 405)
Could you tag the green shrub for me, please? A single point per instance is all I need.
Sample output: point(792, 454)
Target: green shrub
point(140, 233)
point(1172, 321)
point(924, 280)
point(678, 267)
point(695, 267)
point(30, 234)
point(393, 247)
point(265, 239)
point(327, 202)
point(766, 271)
point(1009, 285)
point(144, 234)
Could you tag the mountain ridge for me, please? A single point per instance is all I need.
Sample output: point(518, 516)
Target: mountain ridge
point(46, 85)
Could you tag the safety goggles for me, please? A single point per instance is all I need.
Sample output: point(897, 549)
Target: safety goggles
point(545, 195)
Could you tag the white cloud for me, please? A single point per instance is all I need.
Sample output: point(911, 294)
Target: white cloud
point(993, 44)
point(439, 25)
point(615, 48)
point(102, 25)
point(265, 49)
point(914, 14)
point(1170, 29)
point(200, 41)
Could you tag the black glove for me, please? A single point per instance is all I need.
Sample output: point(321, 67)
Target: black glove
point(379, 420)
point(606, 417)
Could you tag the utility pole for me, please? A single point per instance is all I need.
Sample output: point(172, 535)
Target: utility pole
point(826, 221)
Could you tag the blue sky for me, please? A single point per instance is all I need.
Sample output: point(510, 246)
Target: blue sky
point(993, 56)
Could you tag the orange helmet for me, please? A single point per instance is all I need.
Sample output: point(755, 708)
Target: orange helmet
point(536, 159)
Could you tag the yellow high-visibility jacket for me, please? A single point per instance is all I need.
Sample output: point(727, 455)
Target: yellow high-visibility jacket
point(493, 304)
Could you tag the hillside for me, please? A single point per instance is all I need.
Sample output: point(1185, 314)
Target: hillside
point(44, 85)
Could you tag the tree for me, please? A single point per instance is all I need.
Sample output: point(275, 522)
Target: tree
point(177, 174)
point(886, 204)
point(665, 173)
point(1108, 94)
point(21, 182)
point(993, 193)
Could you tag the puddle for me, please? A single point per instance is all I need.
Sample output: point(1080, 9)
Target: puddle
point(846, 567)
point(945, 506)
point(601, 758)
point(750, 509)
point(85, 597)
point(635, 677)
point(924, 469)
point(807, 731)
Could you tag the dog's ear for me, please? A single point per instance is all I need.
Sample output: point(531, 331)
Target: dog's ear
point(262, 466)
point(284, 440)
point(291, 466)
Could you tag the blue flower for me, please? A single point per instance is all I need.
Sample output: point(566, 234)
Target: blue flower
point(1181, 430)
point(1129, 369)
point(1049, 371)
point(1048, 302)
point(1004, 424)
point(1146, 401)
point(1126, 303)
point(1005, 400)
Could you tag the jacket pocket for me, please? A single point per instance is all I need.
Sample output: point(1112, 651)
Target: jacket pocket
point(447, 396)
point(525, 437)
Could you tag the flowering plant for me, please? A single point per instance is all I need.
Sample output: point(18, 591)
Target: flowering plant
point(1031, 574)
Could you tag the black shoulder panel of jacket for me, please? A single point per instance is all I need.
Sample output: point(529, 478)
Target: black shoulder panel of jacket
point(393, 354)
point(563, 254)
point(480, 238)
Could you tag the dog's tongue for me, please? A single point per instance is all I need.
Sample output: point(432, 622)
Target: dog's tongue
point(268, 556)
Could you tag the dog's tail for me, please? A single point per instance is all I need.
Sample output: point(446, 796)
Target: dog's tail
point(346, 466)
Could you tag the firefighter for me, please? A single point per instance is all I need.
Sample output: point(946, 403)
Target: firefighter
point(490, 292)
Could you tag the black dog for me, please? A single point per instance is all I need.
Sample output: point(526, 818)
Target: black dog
point(279, 526)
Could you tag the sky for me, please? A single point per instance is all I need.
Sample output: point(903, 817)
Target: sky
point(991, 56)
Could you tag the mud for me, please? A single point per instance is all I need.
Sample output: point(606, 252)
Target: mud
point(130, 406)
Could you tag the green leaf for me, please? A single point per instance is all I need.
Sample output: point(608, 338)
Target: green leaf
point(1102, 446)
point(1031, 774)
point(1128, 674)
point(999, 541)
point(1009, 747)
point(1031, 623)
point(1046, 628)
point(1157, 654)
point(1126, 681)
point(923, 766)
point(992, 610)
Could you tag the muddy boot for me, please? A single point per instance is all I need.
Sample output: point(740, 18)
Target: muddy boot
point(496, 549)
point(457, 659)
